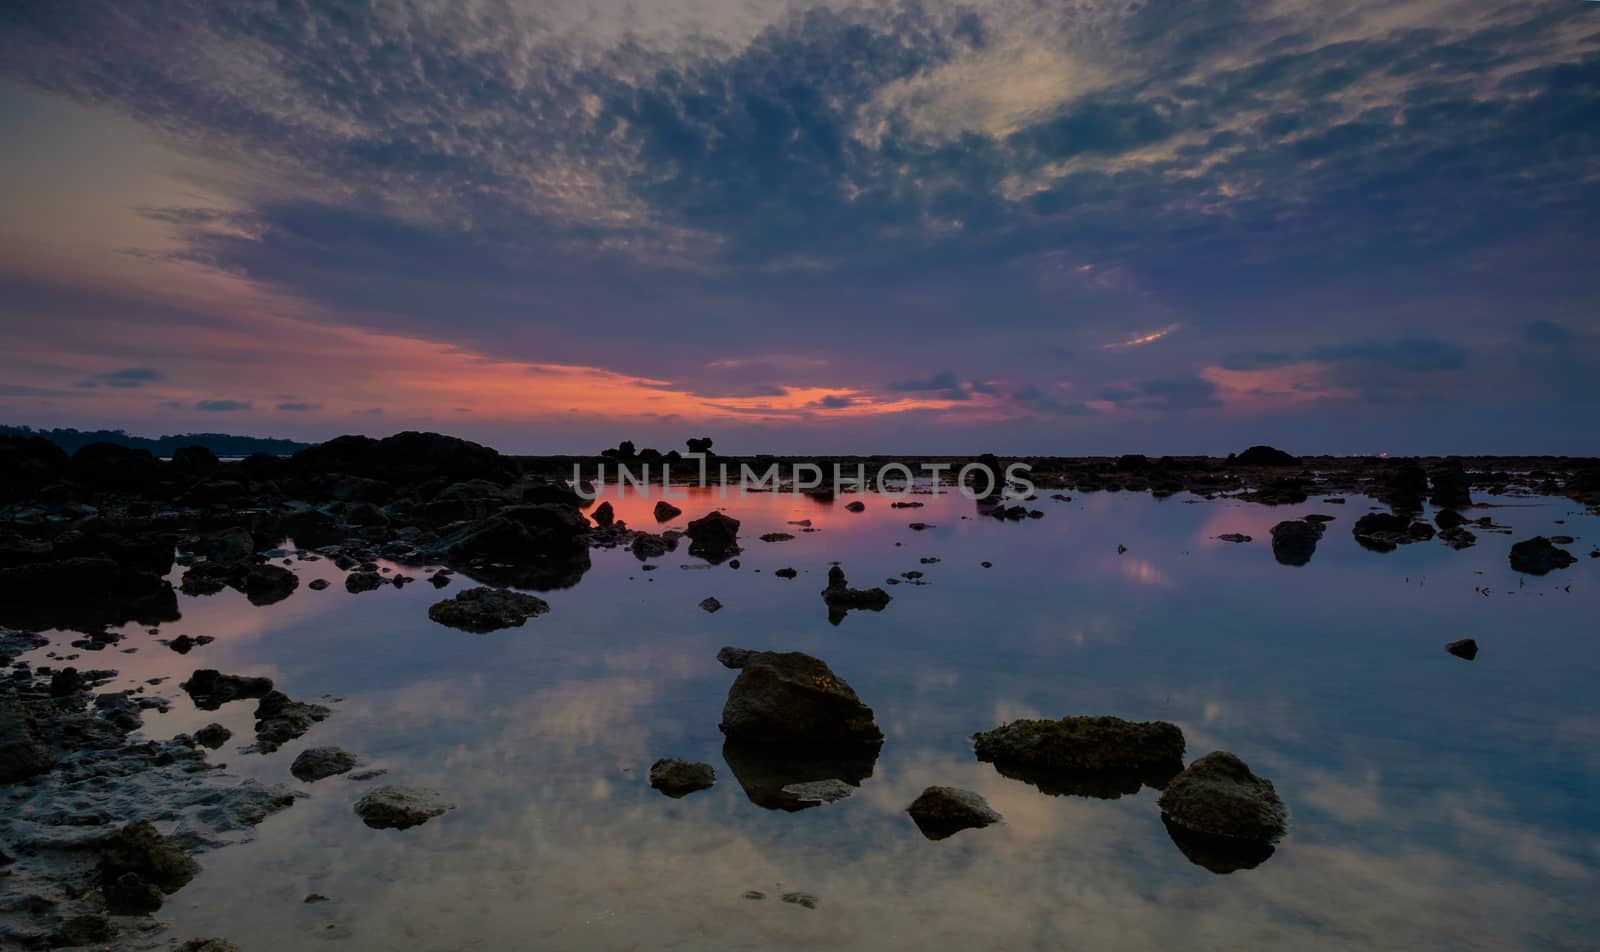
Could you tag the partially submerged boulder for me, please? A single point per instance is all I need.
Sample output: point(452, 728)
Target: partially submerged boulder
point(317, 763)
point(713, 537)
point(1221, 815)
point(679, 778)
point(1295, 541)
point(1539, 556)
point(841, 599)
point(280, 720)
point(400, 808)
point(484, 609)
point(139, 867)
point(791, 721)
point(1087, 756)
point(666, 511)
point(940, 812)
point(210, 688)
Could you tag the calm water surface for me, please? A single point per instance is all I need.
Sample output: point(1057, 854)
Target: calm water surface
point(1433, 802)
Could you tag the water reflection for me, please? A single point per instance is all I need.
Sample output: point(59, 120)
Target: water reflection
point(1432, 803)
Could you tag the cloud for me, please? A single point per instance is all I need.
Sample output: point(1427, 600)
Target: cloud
point(126, 379)
point(944, 383)
point(297, 407)
point(222, 406)
point(834, 402)
point(1165, 395)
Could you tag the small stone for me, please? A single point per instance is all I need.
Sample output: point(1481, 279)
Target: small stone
point(944, 811)
point(1466, 648)
point(679, 778)
point(400, 808)
point(316, 763)
point(711, 604)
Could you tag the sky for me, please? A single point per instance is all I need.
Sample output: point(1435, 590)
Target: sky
point(1069, 227)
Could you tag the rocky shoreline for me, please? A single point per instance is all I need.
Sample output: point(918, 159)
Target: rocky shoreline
point(90, 543)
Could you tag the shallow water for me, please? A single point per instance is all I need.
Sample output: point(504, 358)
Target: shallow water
point(1433, 802)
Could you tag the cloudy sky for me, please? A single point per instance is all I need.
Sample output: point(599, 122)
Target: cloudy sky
point(1075, 226)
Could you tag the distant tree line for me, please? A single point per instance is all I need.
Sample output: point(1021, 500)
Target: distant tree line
point(222, 444)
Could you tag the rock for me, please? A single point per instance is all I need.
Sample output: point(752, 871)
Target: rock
point(409, 457)
point(1088, 756)
point(786, 573)
point(1235, 537)
point(666, 511)
point(83, 593)
point(212, 735)
point(1383, 531)
point(801, 899)
point(713, 537)
point(317, 584)
point(776, 537)
point(210, 689)
point(357, 582)
point(731, 657)
point(138, 866)
point(831, 790)
point(603, 515)
point(793, 698)
point(484, 609)
point(280, 720)
point(1221, 814)
point(400, 808)
point(1261, 455)
point(23, 753)
point(710, 604)
point(1458, 538)
point(86, 930)
point(679, 778)
point(1405, 488)
point(1539, 556)
point(1465, 648)
point(541, 546)
point(183, 644)
point(208, 945)
point(842, 599)
point(1294, 542)
point(1452, 487)
point(234, 544)
point(647, 546)
point(1449, 519)
point(269, 584)
point(855, 505)
point(940, 812)
point(316, 763)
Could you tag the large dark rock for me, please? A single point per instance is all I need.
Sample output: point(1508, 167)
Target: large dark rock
point(27, 464)
point(713, 537)
point(1405, 488)
point(487, 609)
point(1294, 542)
point(1087, 756)
point(138, 867)
point(83, 593)
point(841, 599)
point(1539, 556)
point(679, 778)
point(269, 584)
point(1261, 455)
point(531, 546)
point(940, 812)
point(108, 467)
point(317, 763)
point(400, 808)
point(410, 457)
point(23, 753)
point(195, 461)
point(792, 698)
point(210, 688)
point(1221, 815)
point(1452, 487)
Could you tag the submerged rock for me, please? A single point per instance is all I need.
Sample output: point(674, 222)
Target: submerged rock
point(1465, 648)
point(1539, 556)
point(679, 778)
point(280, 720)
point(841, 599)
point(317, 763)
point(831, 790)
point(139, 867)
point(940, 812)
point(710, 604)
point(1221, 815)
point(1295, 541)
point(400, 808)
point(485, 609)
point(1086, 756)
point(713, 537)
point(210, 688)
